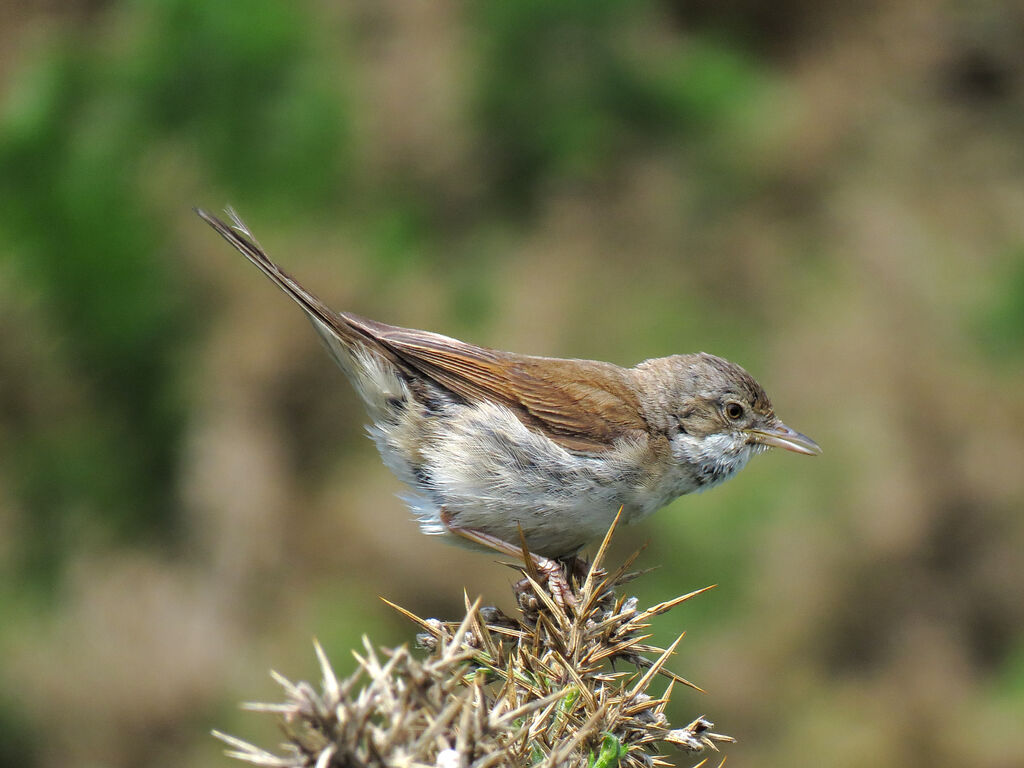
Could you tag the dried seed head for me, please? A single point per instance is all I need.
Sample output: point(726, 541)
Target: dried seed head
point(538, 689)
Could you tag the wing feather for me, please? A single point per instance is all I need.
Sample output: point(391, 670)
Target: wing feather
point(584, 405)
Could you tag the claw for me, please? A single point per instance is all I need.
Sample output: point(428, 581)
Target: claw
point(558, 583)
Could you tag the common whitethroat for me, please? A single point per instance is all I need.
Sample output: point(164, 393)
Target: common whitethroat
point(501, 448)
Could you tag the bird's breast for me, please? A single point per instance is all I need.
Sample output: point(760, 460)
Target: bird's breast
point(494, 474)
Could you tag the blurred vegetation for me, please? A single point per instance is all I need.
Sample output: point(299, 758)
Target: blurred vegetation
point(1001, 322)
point(830, 196)
point(74, 141)
point(563, 94)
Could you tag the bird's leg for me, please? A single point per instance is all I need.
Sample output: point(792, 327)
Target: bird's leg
point(551, 570)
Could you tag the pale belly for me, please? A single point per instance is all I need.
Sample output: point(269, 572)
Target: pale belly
point(492, 474)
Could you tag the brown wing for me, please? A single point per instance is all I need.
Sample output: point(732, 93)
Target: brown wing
point(584, 405)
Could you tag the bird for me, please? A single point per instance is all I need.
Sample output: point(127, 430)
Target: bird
point(537, 455)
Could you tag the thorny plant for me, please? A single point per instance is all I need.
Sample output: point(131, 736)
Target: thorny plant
point(538, 690)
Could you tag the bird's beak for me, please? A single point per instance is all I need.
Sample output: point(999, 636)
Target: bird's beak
point(780, 436)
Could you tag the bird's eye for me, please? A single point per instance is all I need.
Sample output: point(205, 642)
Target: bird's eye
point(734, 411)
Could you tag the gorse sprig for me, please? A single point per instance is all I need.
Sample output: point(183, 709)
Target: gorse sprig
point(539, 689)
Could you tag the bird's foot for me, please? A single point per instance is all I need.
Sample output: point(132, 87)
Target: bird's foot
point(553, 573)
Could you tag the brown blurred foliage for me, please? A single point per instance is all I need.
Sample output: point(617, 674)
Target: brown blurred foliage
point(833, 197)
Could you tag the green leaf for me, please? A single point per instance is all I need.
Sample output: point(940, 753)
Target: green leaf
point(611, 752)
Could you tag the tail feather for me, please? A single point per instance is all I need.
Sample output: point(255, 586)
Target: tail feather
point(343, 333)
point(238, 235)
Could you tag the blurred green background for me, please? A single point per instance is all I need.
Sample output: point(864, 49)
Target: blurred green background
point(831, 195)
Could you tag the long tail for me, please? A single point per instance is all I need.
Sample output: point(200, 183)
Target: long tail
point(348, 337)
point(242, 239)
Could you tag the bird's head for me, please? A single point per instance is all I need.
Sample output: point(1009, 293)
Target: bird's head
point(717, 416)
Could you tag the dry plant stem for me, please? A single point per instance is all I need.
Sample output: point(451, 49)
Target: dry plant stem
point(537, 689)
